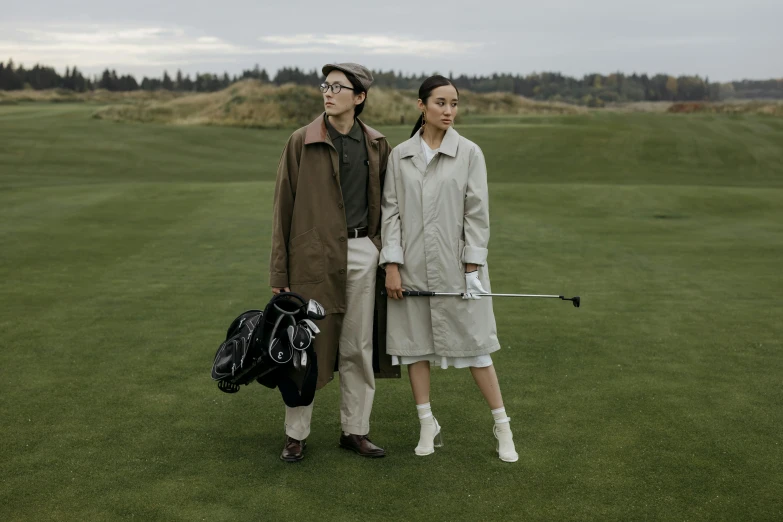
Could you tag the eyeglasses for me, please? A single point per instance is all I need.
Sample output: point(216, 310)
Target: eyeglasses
point(335, 87)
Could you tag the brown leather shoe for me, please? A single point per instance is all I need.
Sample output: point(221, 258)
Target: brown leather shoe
point(293, 450)
point(361, 445)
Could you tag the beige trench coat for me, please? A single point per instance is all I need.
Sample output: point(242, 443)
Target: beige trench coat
point(434, 220)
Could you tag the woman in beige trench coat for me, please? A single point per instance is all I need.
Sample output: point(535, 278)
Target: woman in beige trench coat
point(435, 231)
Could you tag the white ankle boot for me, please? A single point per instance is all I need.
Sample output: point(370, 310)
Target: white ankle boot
point(505, 445)
point(430, 437)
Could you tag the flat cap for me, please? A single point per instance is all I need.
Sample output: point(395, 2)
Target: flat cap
point(359, 72)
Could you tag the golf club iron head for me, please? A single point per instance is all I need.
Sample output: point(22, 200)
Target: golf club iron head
point(315, 310)
point(311, 325)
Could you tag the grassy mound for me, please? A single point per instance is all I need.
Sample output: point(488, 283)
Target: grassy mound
point(251, 103)
point(771, 108)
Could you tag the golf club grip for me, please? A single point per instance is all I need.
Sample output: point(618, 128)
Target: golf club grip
point(412, 293)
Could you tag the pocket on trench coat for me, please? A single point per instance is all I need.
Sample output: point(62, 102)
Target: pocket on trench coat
point(306, 258)
point(460, 281)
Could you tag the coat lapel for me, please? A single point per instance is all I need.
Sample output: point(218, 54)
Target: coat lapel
point(316, 133)
point(411, 149)
point(450, 143)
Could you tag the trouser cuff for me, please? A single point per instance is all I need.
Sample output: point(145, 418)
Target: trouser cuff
point(356, 429)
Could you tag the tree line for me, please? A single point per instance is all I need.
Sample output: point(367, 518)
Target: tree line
point(591, 89)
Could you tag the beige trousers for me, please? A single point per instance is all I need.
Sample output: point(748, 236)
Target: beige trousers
point(357, 380)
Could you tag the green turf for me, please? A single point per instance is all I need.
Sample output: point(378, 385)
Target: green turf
point(125, 250)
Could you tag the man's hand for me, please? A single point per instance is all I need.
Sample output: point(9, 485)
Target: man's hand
point(278, 290)
point(393, 281)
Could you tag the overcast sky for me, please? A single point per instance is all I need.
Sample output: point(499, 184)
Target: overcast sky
point(722, 39)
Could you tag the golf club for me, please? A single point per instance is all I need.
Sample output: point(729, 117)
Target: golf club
point(422, 293)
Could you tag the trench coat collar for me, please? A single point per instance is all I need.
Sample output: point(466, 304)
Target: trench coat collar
point(412, 147)
point(316, 132)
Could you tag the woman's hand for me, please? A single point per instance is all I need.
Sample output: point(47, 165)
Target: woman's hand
point(278, 290)
point(393, 281)
point(473, 285)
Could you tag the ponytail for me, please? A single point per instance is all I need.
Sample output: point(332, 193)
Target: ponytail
point(419, 125)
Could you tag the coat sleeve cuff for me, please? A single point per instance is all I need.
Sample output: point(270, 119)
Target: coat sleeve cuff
point(390, 254)
point(474, 255)
point(278, 279)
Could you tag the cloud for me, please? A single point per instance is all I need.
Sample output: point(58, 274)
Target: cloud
point(111, 46)
point(94, 47)
point(367, 44)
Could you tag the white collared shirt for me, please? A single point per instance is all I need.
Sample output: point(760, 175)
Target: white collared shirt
point(428, 152)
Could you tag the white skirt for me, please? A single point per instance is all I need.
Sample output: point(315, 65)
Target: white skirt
point(477, 361)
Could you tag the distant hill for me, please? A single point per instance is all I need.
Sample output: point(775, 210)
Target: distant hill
point(251, 103)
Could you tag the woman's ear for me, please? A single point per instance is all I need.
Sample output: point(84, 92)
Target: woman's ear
point(422, 107)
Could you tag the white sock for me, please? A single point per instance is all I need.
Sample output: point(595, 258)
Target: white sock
point(506, 450)
point(501, 419)
point(425, 413)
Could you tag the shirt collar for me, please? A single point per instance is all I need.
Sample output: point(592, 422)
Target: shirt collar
point(355, 133)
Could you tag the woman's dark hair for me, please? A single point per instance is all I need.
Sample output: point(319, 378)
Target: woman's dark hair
point(357, 90)
point(429, 85)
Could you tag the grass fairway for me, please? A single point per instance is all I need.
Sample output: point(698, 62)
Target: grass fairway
point(125, 250)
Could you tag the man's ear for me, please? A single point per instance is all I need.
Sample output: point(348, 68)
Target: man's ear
point(362, 96)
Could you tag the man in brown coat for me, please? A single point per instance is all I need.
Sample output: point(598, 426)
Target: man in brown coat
point(325, 246)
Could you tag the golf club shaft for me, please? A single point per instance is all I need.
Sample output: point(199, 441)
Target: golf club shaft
point(438, 294)
point(423, 293)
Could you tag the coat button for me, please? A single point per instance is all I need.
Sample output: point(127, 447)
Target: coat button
point(339, 205)
point(342, 270)
point(342, 239)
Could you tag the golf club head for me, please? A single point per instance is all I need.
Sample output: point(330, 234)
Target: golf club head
point(279, 352)
point(577, 301)
point(315, 310)
point(300, 337)
point(311, 325)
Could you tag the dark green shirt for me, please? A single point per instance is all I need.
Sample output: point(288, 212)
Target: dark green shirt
point(354, 171)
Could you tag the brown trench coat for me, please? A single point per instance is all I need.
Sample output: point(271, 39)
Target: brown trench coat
point(309, 246)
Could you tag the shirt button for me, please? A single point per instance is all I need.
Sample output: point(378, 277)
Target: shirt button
point(342, 239)
point(342, 270)
point(339, 205)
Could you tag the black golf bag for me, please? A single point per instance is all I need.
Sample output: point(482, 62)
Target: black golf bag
point(274, 348)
